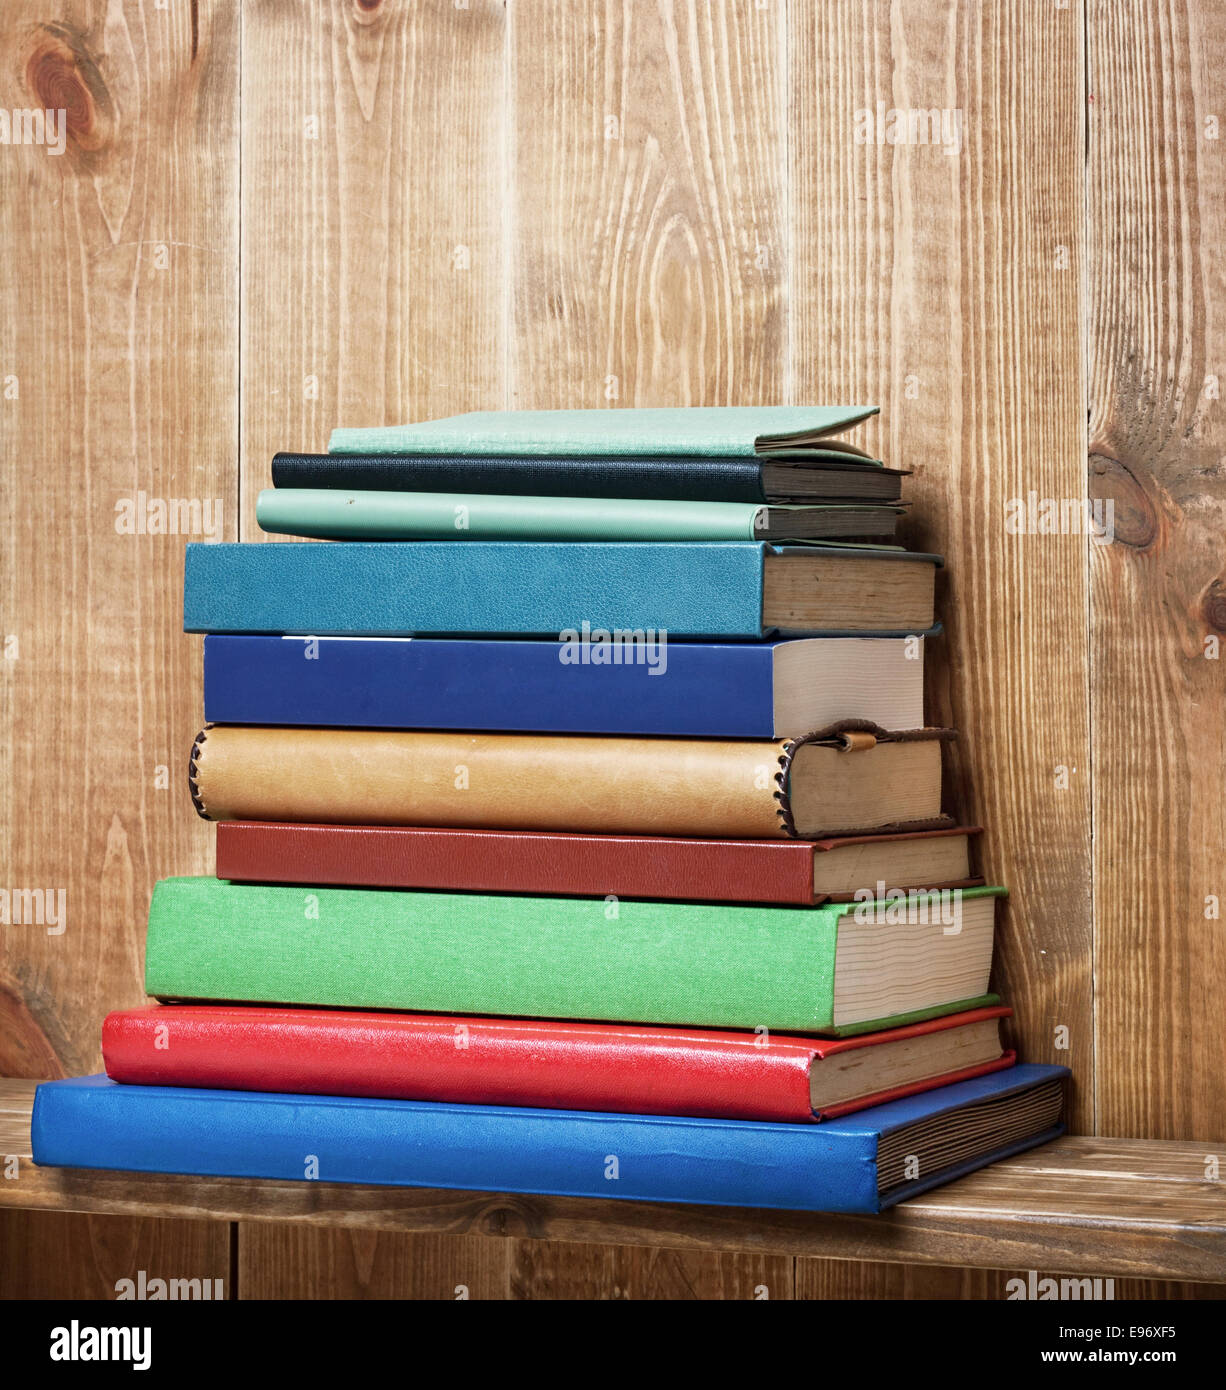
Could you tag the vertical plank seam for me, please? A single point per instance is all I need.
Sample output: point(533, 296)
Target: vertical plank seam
point(785, 91)
point(510, 1248)
point(232, 1229)
point(508, 209)
point(238, 294)
point(788, 281)
point(1083, 429)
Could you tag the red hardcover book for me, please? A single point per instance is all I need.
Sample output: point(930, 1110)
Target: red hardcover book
point(627, 1068)
point(794, 872)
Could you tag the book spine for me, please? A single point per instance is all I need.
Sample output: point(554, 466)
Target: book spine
point(682, 479)
point(546, 589)
point(96, 1123)
point(702, 965)
point(469, 516)
point(710, 432)
point(676, 787)
point(688, 690)
point(492, 861)
point(916, 1088)
point(641, 1071)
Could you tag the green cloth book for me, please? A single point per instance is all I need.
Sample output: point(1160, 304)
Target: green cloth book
point(808, 970)
point(332, 514)
point(716, 431)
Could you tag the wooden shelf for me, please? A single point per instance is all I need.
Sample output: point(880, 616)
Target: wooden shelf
point(1111, 1207)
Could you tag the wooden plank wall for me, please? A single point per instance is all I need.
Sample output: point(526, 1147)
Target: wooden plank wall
point(270, 219)
point(118, 353)
point(1156, 342)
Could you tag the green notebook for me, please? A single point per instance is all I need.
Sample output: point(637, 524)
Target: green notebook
point(807, 970)
point(716, 431)
point(332, 514)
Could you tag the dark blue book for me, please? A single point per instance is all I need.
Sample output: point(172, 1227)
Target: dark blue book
point(862, 1163)
point(781, 689)
point(713, 589)
point(819, 476)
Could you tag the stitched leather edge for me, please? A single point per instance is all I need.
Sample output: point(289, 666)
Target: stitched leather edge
point(193, 773)
point(830, 737)
point(784, 808)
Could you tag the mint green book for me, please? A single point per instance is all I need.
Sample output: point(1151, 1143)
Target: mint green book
point(837, 969)
point(331, 514)
point(715, 431)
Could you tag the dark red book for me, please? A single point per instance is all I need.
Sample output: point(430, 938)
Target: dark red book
point(626, 1068)
point(794, 872)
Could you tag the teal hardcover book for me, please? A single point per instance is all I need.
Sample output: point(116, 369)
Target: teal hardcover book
point(737, 589)
point(333, 514)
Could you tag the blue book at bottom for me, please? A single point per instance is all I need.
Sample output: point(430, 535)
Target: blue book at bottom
point(863, 1163)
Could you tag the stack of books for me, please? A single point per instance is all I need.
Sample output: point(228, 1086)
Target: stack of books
point(579, 832)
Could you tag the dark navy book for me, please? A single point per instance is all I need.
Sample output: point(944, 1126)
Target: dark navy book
point(592, 683)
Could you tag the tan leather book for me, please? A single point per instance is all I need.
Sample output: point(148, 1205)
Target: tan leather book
point(850, 777)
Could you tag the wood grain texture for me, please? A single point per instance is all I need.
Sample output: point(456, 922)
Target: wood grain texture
point(1080, 1206)
point(373, 284)
point(119, 335)
point(61, 1255)
point(1157, 360)
point(944, 281)
point(648, 232)
point(601, 202)
point(118, 349)
point(558, 1270)
point(302, 1261)
point(298, 1261)
point(824, 1279)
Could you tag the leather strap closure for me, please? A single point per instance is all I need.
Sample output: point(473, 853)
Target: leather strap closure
point(849, 735)
point(853, 740)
